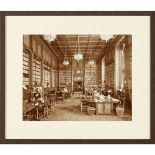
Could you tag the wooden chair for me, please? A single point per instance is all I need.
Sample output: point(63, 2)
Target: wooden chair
point(46, 109)
point(91, 111)
point(49, 108)
point(60, 96)
point(120, 108)
point(53, 99)
point(83, 104)
point(53, 102)
point(26, 117)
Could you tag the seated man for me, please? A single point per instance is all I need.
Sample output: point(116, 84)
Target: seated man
point(52, 91)
point(36, 93)
point(102, 97)
point(59, 94)
point(65, 90)
point(96, 94)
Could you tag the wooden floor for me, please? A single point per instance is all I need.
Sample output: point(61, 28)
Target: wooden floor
point(69, 110)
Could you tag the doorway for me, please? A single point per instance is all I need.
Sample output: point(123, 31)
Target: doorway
point(78, 87)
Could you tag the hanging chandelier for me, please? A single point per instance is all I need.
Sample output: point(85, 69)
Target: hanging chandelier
point(78, 72)
point(65, 62)
point(91, 61)
point(78, 55)
point(50, 38)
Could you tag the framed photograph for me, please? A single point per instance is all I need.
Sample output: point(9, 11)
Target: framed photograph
point(77, 77)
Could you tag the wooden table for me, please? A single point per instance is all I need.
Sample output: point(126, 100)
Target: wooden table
point(32, 109)
point(105, 107)
point(102, 107)
point(28, 111)
point(28, 107)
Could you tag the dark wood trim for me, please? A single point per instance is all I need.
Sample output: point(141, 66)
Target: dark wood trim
point(2, 77)
point(78, 13)
point(49, 47)
point(77, 141)
point(56, 40)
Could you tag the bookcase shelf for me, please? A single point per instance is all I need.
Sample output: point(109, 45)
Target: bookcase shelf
point(26, 68)
point(36, 70)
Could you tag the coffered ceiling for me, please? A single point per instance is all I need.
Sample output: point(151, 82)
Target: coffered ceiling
point(90, 44)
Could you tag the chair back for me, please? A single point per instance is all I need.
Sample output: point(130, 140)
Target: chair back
point(52, 97)
point(60, 94)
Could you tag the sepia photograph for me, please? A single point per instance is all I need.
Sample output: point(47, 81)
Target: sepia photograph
point(77, 77)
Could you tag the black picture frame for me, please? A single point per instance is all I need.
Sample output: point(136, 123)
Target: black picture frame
point(3, 14)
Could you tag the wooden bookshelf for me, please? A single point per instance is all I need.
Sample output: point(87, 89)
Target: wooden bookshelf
point(68, 76)
point(62, 78)
point(36, 70)
point(90, 76)
point(109, 75)
point(26, 68)
point(56, 78)
point(46, 75)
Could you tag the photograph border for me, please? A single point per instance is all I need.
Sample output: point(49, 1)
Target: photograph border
point(3, 14)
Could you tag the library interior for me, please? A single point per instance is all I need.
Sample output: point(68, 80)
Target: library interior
point(77, 77)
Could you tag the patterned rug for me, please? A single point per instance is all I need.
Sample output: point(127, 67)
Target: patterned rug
point(69, 110)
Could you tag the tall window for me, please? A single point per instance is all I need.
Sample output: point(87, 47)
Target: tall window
point(103, 70)
point(119, 66)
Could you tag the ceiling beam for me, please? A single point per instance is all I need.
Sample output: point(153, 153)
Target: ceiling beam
point(87, 46)
point(59, 46)
point(76, 41)
point(96, 46)
point(69, 57)
point(110, 43)
point(42, 38)
point(76, 46)
point(68, 46)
